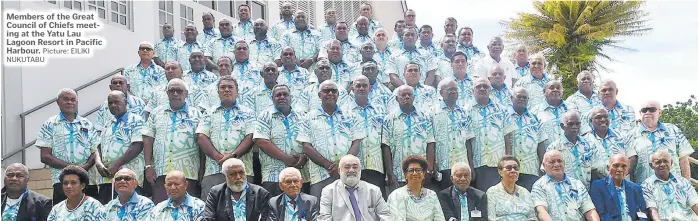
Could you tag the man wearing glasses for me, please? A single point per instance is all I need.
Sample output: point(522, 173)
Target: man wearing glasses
point(145, 75)
point(309, 99)
point(128, 205)
point(651, 136)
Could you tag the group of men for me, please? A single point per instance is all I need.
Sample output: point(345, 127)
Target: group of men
point(304, 97)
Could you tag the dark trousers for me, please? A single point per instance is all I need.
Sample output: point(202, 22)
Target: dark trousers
point(375, 178)
point(273, 188)
point(486, 177)
point(527, 181)
point(160, 194)
point(106, 193)
point(316, 189)
point(256, 168)
point(445, 182)
point(59, 195)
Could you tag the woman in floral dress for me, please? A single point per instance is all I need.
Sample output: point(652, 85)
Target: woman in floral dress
point(77, 206)
point(413, 202)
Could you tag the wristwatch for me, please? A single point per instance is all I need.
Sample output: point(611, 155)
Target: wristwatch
point(148, 166)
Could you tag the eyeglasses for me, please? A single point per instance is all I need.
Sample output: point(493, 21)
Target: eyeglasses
point(415, 170)
point(327, 91)
point(510, 168)
point(144, 49)
point(123, 178)
point(173, 91)
point(650, 109)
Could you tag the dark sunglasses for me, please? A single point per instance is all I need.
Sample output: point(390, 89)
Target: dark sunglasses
point(327, 91)
point(650, 109)
point(510, 168)
point(123, 178)
point(144, 49)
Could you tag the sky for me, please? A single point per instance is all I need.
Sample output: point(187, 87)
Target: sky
point(664, 66)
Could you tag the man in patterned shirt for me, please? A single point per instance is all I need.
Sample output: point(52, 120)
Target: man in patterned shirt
point(426, 36)
point(445, 55)
point(328, 29)
point(407, 130)
point(458, 67)
point(342, 67)
point(535, 81)
point(500, 91)
point(396, 42)
point(603, 138)
point(362, 33)
point(582, 161)
point(382, 54)
point(159, 95)
point(144, 76)
point(559, 197)
point(585, 98)
point(179, 206)
point(186, 47)
point(528, 144)
point(166, 48)
point(669, 197)
point(409, 53)
point(349, 47)
point(128, 205)
point(378, 93)
point(260, 97)
point(225, 132)
point(521, 64)
point(328, 133)
point(67, 139)
point(366, 10)
point(493, 130)
point(372, 112)
point(169, 142)
point(622, 116)
point(308, 99)
point(425, 96)
point(653, 135)
point(304, 40)
point(263, 48)
point(452, 132)
point(134, 104)
point(120, 145)
point(248, 73)
point(198, 78)
point(550, 112)
point(209, 32)
point(276, 130)
point(292, 75)
point(465, 44)
point(286, 23)
point(221, 45)
point(243, 29)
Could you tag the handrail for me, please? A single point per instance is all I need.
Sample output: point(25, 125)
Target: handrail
point(23, 115)
point(693, 161)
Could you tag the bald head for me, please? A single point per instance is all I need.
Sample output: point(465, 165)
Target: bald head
point(552, 154)
point(176, 175)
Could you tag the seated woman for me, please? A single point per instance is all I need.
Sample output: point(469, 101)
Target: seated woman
point(413, 202)
point(506, 200)
point(77, 206)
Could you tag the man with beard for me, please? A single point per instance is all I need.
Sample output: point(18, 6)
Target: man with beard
point(581, 160)
point(327, 133)
point(276, 130)
point(585, 98)
point(186, 47)
point(465, 44)
point(286, 23)
point(409, 53)
point(120, 145)
point(603, 138)
point(262, 47)
point(249, 201)
point(484, 65)
point(221, 45)
point(209, 32)
point(616, 198)
point(18, 202)
point(166, 48)
point(292, 204)
point(366, 10)
point(243, 29)
point(128, 205)
point(535, 81)
point(304, 40)
point(550, 112)
point(350, 198)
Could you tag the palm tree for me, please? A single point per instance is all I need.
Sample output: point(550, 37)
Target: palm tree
point(573, 34)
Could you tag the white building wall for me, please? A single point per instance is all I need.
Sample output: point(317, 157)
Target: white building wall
point(27, 87)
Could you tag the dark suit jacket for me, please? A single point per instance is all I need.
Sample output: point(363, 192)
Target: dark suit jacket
point(219, 204)
point(308, 208)
point(605, 197)
point(450, 202)
point(33, 205)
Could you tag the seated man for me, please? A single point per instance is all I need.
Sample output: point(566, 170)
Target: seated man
point(128, 205)
point(292, 202)
point(350, 198)
point(461, 201)
point(18, 202)
point(615, 197)
point(236, 199)
point(180, 203)
point(668, 196)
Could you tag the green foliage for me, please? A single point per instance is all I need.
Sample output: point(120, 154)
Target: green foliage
point(573, 34)
point(685, 116)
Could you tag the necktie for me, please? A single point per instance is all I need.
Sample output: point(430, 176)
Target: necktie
point(293, 202)
point(354, 204)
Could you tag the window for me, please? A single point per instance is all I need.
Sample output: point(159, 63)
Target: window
point(118, 12)
point(347, 11)
point(77, 5)
point(186, 17)
point(52, 2)
point(258, 10)
point(227, 8)
point(308, 6)
point(210, 4)
point(166, 14)
point(98, 6)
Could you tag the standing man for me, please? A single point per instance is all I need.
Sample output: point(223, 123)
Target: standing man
point(327, 30)
point(522, 66)
point(263, 48)
point(144, 76)
point(134, 104)
point(500, 92)
point(260, 97)
point(189, 45)
point(495, 48)
point(244, 29)
point(550, 112)
point(458, 64)
point(409, 53)
point(166, 48)
point(426, 36)
point(528, 144)
point(366, 10)
point(67, 139)
point(349, 48)
point(465, 44)
point(305, 41)
point(225, 132)
point(169, 142)
point(308, 99)
point(209, 31)
point(328, 133)
point(425, 96)
point(585, 98)
point(362, 33)
point(622, 116)
point(222, 45)
point(535, 81)
point(603, 138)
point(248, 73)
point(286, 23)
point(292, 75)
point(18, 202)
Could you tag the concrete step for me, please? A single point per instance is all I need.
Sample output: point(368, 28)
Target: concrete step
point(40, 181)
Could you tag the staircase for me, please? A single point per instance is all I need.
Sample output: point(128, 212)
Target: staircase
point(40, 182)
